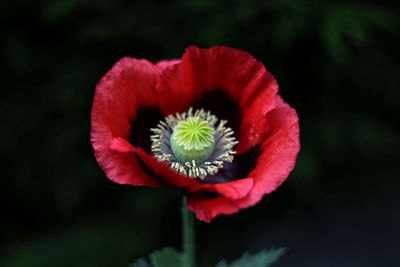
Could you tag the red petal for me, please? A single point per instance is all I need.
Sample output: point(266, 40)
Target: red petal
point(163, 64)
point(255, 124)
point(236, 72)
point(129, 85)
point(279, 151)
point(121, 145)
point(163, 170)
point(120, 167)
point(232, 190)
point(206, 209)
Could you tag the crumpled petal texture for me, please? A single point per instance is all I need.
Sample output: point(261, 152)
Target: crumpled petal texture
point(278, 156)
point(128, 86)
point(266, 121)
point(242, 77)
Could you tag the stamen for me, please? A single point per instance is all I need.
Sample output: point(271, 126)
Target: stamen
point(192, 143)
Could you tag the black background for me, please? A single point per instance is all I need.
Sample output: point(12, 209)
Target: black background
point(335, 62)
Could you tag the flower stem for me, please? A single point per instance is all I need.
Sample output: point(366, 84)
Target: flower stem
point(188, 235)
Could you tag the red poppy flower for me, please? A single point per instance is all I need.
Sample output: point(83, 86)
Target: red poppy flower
point(135, 95)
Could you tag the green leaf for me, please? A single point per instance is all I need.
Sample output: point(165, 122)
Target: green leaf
point(264, 258)
point(167, 257)
point(140, 263)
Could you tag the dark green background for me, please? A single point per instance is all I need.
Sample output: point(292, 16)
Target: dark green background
point(335, 62)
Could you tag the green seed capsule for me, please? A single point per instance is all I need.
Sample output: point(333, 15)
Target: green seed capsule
point(192, 139)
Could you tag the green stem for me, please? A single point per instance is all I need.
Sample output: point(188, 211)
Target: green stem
point(188, 235)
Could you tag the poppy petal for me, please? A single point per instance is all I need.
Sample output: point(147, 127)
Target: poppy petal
point(129, 85)
point(206, 209)
point(120, 167)
point(278, 151)
point(163, 64)
point(242, 77)
point(278, 155)
point(231, 190)
point(121, 145)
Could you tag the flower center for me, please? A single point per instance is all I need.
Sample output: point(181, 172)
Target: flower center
point(192, 139)
point(192, 143)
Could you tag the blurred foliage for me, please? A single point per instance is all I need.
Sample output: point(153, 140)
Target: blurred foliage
point(335, 62)
point(263, 258)
point(167, 257)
